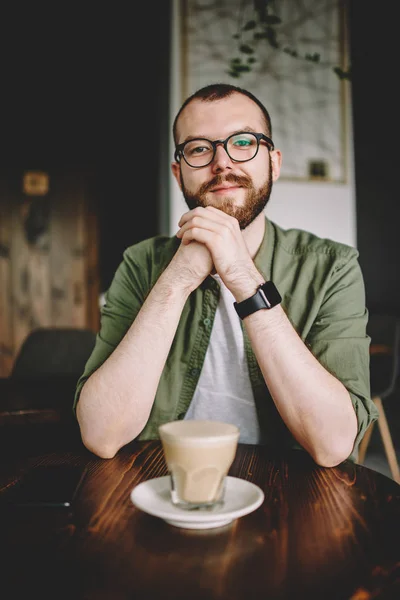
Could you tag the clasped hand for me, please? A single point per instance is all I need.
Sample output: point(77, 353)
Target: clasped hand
point(212, 241)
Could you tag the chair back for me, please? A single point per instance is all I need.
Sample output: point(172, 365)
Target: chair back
point(384, 331)
point(53, 352)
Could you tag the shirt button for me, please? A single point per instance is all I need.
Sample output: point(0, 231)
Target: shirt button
point(206, 322)
point(194, 372)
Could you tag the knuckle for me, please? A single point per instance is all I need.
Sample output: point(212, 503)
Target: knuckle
point(196, 220)
point(197, 211)
point(234, 223)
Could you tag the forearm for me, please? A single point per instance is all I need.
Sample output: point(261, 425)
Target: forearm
point(116, 401)
point(315, 406)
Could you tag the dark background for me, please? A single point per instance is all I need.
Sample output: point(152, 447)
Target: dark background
point(374, 53)
point(90, 90)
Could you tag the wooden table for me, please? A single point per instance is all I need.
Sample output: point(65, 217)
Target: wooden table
point(36, 400)
point(320, 533)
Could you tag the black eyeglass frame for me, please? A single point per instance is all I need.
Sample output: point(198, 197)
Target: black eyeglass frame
point(179, 150)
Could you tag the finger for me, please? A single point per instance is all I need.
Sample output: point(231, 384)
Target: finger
point(197, 234)
point(219, 214)
point(208, 212)
point(201, 223)
point(198, 211)
point(185, 217)
point(222, 217)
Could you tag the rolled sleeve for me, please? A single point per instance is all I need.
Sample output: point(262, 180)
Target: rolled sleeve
point(339, 340)
point(123, 301)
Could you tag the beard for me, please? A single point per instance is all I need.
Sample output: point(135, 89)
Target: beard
point(255, 201)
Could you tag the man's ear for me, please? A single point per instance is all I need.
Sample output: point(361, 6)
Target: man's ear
point(276, 161)
point(176, 172)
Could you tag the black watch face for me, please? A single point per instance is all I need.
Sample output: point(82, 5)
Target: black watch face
point(272, 294)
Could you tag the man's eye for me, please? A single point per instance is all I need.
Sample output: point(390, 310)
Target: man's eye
point(242, 143)
point(196, 150)
point(199, 149)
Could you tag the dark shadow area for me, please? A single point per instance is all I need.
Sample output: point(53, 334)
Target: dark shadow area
point(375, 121)
point(376, 154)
point(90, 91)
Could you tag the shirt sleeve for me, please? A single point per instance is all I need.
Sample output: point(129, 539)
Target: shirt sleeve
point(123, 301)
point(338, 339)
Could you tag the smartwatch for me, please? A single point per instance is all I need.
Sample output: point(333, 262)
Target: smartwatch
point(266, 296)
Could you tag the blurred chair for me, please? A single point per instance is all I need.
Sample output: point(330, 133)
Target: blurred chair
point(36, 399)
point(384, 331)
point(53, 352)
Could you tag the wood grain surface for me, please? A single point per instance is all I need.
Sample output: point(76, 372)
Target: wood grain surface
point(320, 533)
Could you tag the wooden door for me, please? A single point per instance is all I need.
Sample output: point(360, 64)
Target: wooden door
point(49, 273)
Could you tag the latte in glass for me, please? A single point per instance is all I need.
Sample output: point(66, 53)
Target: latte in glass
point(198, 456)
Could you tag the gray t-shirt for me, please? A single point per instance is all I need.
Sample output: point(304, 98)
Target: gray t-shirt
point(224, 391)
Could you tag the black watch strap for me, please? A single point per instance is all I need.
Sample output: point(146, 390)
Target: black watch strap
point(267, 296)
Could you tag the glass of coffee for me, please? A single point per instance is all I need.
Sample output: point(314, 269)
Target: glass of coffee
point(198, 456)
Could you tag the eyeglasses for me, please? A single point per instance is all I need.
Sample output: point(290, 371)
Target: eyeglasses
point(240, 147)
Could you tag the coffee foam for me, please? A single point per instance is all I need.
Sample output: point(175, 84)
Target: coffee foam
point(198, 433)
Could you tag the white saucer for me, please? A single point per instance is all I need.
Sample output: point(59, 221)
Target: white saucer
point(153, 497)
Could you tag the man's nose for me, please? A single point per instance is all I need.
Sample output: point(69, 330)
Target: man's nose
point(221, 159)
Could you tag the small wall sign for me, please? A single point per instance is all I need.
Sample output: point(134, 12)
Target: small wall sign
point(35, 183)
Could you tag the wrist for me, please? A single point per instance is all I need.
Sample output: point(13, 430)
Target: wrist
point(174, 286)
point(246, 286)
point(265, 297)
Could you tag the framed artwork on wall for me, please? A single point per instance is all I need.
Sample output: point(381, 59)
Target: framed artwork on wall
point(308, 101)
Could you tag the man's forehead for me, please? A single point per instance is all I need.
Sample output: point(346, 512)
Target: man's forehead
point(228, 114)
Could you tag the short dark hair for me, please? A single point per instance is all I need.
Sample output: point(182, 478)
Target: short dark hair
point(217, 91)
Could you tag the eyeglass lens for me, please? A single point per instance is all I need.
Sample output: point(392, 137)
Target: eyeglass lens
point(240, 147)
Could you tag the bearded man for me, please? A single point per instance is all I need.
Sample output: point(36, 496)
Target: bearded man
point(232, 319)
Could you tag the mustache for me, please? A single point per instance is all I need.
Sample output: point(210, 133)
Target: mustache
point(230, 178)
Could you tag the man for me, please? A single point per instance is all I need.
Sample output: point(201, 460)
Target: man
point(194, 326)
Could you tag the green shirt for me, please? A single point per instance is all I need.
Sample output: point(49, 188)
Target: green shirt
point(323, 295)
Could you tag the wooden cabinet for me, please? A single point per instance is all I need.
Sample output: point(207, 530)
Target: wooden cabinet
point(49, 273)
